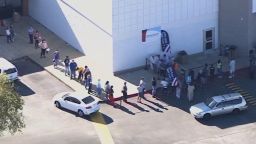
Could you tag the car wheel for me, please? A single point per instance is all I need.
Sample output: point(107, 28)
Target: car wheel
point(57, 104)
point(207, 116)
point(80, 113)
point(236, 110)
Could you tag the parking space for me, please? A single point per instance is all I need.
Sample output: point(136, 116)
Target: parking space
point(162, 120)
point(45, 123)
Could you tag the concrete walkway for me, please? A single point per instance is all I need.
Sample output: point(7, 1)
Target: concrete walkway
point(21, 48)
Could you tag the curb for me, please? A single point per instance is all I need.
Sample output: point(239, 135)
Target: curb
point(115, 99)
point(27, 57)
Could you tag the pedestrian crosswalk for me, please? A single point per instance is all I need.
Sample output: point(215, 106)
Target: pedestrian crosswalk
point(250, 99)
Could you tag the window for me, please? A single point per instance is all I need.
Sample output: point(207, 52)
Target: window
point(74, 100)
point(210, 103)
point(88, 100)
point(10, 71)
point(235, 101)
point(221, 105)
point(67, 98)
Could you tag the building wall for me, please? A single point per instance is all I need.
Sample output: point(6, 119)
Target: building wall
point(252, 24)
point(84, 24)
point(184, 20)
point(233, 24)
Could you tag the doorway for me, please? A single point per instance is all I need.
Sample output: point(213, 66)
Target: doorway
point(209, 39)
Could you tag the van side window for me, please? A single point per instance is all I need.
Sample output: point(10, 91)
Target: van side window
point(220, 105)
point(237, 101)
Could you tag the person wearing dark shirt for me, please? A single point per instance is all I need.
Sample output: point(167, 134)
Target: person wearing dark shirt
point(66, 63)
point(73, 67)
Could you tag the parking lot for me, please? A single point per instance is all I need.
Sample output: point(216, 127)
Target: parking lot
point(165, 120)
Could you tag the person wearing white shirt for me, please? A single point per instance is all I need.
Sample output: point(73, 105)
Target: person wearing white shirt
point(8, 34)
point(232, 68)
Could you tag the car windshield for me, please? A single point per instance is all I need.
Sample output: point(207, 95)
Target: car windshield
point(10, 71)
point(88, 99)
point(210, 102)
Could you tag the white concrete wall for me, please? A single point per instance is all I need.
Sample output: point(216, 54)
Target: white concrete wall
point(184, 20)
point(84, 24)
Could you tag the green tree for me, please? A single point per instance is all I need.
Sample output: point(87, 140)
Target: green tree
point(11, 105)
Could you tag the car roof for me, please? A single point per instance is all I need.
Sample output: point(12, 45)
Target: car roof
point(78, 95)
point(5, 64)
point(226, 97)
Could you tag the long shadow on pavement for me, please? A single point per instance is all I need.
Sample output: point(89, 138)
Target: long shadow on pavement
point(137, 106)
point(156, 104)
point(153, 108)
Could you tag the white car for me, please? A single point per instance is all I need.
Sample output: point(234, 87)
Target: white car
point(217, 105)
point(9, 69)
point(77, 102)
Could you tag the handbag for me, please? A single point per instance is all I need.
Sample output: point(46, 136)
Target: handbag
point(48, 49)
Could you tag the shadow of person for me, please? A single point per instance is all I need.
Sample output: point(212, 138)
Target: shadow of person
point(125, 110)
point(153, 108)
point(156, 104)
point(137, 106)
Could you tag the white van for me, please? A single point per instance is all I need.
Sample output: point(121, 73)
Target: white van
point(9, 69)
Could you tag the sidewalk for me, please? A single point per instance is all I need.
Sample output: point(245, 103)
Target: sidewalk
point(21, 48)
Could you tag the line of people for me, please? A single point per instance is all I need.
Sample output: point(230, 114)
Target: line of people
point(39, 42)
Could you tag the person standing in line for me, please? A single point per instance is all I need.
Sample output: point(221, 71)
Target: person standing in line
point(8, 34)
point(86, 72)
point(90, 87)
point(56, 58)
point(44, 46)
point(30, 34)
point(107, 89)
point(232, 68)
point(66, 63)
point(178, 90)
point(98, 88)
point(191, 89)
point(124, 92)
point(12, 33)
point(80, 71)
point(37, 39)
point(111, 95)
point(73, 67)
point(154, 87)
point(88, 81)
point(142, 83)
point(192, 75)
point(212, 71)
point(140, 93)
point(219, 68)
